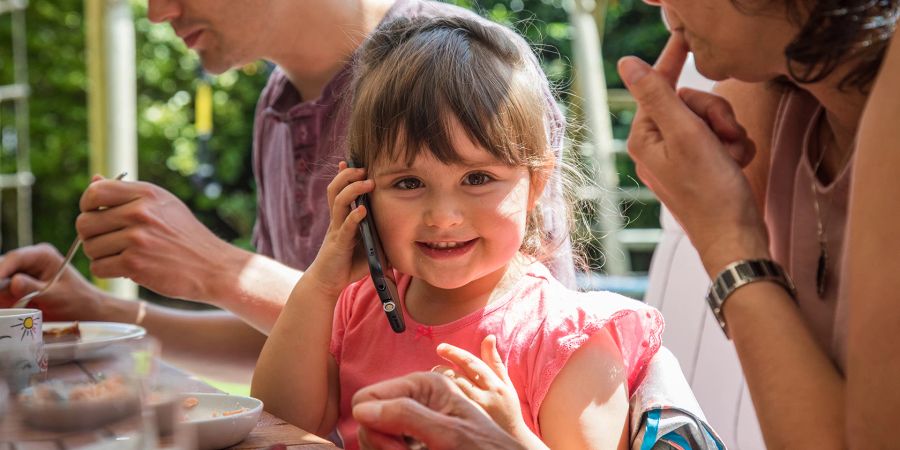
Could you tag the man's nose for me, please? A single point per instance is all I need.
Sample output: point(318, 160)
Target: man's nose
point(159, 11)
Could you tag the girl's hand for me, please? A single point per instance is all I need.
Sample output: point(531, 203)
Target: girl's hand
point(486, 382)
point(689, 150)
point(337, 263)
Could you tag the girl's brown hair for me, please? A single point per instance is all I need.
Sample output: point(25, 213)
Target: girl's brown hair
point(415, 77)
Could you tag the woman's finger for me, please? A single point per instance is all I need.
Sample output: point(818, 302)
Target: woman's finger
point(715, 111)
point(672, 58)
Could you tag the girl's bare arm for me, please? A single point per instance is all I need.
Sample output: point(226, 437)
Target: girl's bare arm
point(587, 404)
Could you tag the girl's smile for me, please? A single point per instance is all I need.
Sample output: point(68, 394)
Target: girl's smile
point(452, 226)
point(446, 249)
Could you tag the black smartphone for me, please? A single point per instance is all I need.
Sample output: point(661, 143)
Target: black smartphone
point(384, 282)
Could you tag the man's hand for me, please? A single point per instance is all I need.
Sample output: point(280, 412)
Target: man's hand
point(429, 408)
point(143, 232)
point(29, 268)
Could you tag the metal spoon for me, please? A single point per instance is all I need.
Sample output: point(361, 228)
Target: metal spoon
point(23, 302)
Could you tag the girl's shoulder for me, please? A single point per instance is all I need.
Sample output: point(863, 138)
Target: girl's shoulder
point(550, 323)
point(558, 305)
point(545, 307)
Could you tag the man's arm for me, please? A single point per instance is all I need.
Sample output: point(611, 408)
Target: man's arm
point(210, 340)
point(145, 233)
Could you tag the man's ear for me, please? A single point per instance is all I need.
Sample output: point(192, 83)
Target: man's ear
point(538, 182)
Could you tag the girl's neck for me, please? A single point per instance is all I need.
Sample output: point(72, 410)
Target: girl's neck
point(430, 305)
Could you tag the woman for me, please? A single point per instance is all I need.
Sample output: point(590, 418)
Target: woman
point(775, 155)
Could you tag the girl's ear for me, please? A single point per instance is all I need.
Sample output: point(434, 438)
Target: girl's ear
point(539, 178)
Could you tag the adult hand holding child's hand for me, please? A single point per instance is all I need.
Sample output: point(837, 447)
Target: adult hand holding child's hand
point(428, 407)
point(486, 382)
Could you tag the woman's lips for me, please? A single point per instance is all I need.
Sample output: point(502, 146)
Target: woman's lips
point(444, 250)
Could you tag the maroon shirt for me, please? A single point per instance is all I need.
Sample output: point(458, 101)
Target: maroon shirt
point(298, 144)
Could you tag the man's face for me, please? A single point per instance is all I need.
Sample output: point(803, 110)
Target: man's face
point(224, 34)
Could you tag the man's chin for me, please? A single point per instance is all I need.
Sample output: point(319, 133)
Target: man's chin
point(213, 65)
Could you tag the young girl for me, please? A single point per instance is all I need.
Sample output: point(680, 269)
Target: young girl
point(448, 120)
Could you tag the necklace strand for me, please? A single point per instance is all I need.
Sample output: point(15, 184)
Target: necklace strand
point(822, 222)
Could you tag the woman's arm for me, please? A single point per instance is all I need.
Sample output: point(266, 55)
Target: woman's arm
point(587, 404)
point(796, 390)
point(872, 266)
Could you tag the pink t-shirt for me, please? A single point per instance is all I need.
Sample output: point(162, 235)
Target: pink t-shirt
point(539, 323)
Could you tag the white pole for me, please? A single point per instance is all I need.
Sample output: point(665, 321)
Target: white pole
point(588, 63)
point(121, 98)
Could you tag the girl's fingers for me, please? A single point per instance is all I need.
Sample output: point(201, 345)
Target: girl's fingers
point(344, 177)
point(473, 368)
point(347, 232)
point(342, 203)
point(491, 357)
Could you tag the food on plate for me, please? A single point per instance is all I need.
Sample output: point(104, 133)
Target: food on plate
point(64, 406)
point(232, 412)
point(190, 402)
point(70, 333)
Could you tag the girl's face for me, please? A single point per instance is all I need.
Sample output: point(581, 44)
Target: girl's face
point(747, 43)
point(450, 225)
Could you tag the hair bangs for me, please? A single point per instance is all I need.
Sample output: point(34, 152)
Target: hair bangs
point(441, 78)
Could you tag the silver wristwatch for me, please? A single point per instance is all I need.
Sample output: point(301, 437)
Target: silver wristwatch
point(741, 273)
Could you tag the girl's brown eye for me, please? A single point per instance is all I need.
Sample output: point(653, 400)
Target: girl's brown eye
point(477, 178)
point(408, 183)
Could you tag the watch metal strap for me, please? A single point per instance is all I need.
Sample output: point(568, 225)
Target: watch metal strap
point(742, 273)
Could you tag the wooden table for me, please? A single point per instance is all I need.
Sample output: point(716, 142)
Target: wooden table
point(269, 431)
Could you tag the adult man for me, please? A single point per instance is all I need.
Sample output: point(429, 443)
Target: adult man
point(146, 234)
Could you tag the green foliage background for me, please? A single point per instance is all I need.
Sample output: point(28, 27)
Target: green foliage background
point(167, 76)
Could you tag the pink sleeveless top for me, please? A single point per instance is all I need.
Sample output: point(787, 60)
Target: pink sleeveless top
point(791, 219)
point(539, 324)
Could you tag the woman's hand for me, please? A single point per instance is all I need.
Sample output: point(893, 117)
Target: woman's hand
point(689, 150)
point(336, 264)
point(486, 382)
point(428, 408)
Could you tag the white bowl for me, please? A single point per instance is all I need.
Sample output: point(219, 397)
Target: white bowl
point(215, 430)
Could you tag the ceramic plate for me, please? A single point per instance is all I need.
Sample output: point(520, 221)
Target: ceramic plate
point(94, 337)
point(221, 420)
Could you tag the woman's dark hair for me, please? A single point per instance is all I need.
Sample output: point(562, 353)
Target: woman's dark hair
point(837, 32)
